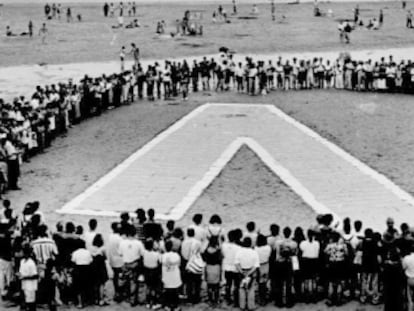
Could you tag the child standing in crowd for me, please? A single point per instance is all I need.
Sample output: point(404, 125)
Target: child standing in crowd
point(171, 277)
point(29, 279)
point(152, 274)
point(213, 258)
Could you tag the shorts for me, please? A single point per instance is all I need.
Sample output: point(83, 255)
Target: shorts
point(29, 296)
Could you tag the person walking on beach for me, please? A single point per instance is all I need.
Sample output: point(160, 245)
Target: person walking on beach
point(409, 23)
point(30, 26)
point(43, 33)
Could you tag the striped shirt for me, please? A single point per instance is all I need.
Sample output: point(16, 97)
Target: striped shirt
point(44, 249)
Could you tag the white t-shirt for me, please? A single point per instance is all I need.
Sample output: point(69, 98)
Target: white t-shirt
point(310, 250)
point(188, 246)
point(408, 265)
point(130, 250)
point(151, 259)
point(171, 275)
point(264, 253)
point(88, 238)
point(229, 251)
point(247, 258)
point(200, 232)
point(28, 268)
point(115, 260)
point(82, 257)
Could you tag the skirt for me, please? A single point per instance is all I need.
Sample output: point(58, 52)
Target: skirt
point(213, 274)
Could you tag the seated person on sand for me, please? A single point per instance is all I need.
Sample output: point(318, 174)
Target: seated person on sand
point(192, 29)
point(9, 32)
point(373, 24)
point(133, 24)
point(120, 23)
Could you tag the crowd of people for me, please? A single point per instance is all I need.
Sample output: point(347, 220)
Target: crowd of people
point(163, 266)
point(29, 125)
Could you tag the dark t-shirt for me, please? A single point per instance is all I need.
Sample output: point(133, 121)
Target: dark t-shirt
point(5, 247)
point(287, 69)
point(370, 252)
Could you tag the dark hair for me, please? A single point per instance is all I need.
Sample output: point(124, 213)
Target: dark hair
point(251, 225)
point(168, 245)
point(298, 235)
point(197, 219)
point(261, 240)
point(140, 214)
point(115, 227)
point(151, 213)
point(124, 216)
point(6, 203)
point(287, 232)
point(231, 235)
point(98, 240)
point(170, 225)
point(93, 223)
point(190, 232)
point(215, 219)
point(149, 244)
point(274, 229)
point(357, 225)
point(79, 230)
point(178, 233)
point(247, 242)
point(368, 233)
point(238, 234)
point(130, 230)
point(70, 227)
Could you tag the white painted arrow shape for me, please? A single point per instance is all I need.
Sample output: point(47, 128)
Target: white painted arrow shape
point(172, 171)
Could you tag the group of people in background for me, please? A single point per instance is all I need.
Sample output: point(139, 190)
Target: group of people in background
point(162, 266)
point(129, 8)
point(29, 125)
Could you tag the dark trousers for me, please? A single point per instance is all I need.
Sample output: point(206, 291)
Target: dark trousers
point(13, 173)
point(213, 293)
point(282, 281)
point(232, 282)
point(193, 287)
point(171, 298)
point(115, 280)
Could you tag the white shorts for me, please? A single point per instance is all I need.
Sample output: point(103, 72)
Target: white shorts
point(29, 296)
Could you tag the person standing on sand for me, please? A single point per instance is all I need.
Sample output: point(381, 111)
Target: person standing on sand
point(106, 9)
point(69, 17)
point(135, 54)
point(122, 58)
point(43, 33)
point(30, 26)
point(409, 23)
point(381, 17)
point(47, 10)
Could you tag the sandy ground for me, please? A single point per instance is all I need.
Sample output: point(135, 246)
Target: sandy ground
point(296, 29)
point(352, 120)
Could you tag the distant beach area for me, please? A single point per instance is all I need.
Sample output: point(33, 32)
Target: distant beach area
point(192, 2)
